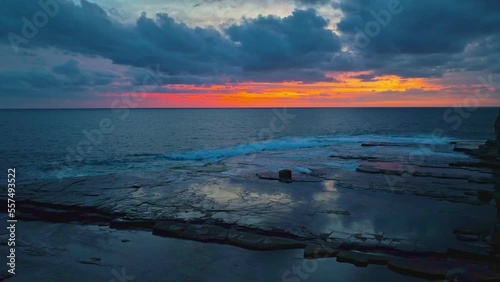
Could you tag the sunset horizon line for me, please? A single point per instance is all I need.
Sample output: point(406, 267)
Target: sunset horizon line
point(275, 107)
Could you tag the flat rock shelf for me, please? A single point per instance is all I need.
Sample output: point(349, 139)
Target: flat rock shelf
point(424, 215)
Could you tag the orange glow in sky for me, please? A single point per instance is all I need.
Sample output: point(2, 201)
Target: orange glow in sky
point(344, 91)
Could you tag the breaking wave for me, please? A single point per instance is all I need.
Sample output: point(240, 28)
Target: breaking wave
point(290, 143)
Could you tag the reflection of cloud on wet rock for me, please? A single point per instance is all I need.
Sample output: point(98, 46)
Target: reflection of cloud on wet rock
point(329, 193)
point(237, 195)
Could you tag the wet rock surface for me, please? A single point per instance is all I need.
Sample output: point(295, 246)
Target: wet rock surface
point(421, 216)
point(488, 151)
point(81, 253)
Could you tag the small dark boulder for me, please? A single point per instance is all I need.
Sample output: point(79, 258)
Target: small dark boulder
point(495, 237)
point(285, 175)
point(484, 196)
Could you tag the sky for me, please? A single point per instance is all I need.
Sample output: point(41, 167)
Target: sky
point(260, 53)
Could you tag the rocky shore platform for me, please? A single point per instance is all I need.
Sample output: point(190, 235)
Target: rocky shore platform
point(430, 213)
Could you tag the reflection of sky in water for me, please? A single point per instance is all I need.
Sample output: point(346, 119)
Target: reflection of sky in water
point(310, 209)
point(234, 194)
point(246, 206)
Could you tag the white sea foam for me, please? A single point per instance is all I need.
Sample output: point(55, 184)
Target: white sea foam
point(291, 143)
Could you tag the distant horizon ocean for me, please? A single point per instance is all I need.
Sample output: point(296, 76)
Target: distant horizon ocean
point(54, 143)
point(471, 109)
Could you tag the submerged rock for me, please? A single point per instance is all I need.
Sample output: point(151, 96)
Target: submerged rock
point(466, 231)
point(458, 274)
point(350, 157)
point(490, 150)
point(428, 269)
point(356, 258)
point(485, 196)
point(495, 237)
point(224, 235)
point(313, 251)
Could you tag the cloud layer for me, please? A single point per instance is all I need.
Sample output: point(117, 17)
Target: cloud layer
point(412, 39)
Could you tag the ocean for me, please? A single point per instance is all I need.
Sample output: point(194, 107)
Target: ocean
point(47, 144)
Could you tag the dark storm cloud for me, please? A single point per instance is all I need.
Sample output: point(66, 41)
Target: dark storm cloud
point(59, 79)
point(306, 76)
point(299, 40)
point(421, 27)
point(312, 2)
point(70, 68)
point(88, 30)
point(365, 77)
point(74, 75)
point(423, 38)
point(28, 80)
point(484, 54)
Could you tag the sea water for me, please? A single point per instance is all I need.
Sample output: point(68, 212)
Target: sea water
point(46, 144)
